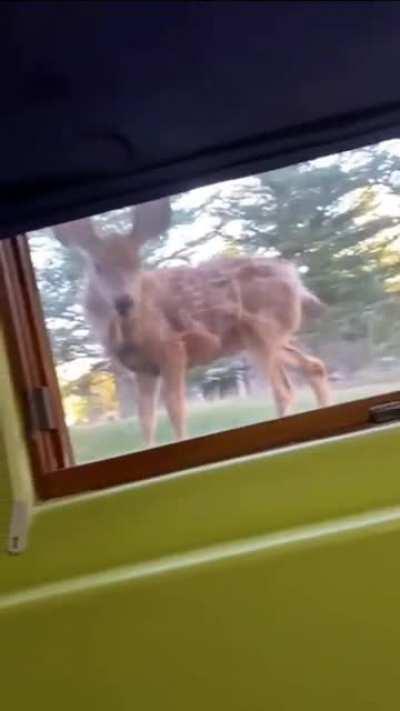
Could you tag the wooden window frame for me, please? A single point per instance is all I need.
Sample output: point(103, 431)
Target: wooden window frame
point(54, 472)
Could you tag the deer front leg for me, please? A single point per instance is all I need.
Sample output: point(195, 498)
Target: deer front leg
point(147, 391)
point(173, 375)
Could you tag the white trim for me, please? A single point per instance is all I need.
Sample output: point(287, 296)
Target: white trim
point(19, 527)
point(213, 554)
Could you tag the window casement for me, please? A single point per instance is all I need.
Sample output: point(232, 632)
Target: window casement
point(57, 470)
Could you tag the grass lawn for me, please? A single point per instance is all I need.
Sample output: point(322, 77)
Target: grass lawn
point(93, 442)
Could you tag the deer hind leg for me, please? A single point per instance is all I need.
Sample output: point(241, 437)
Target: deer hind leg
point(314, 370)
point(263, 340)
point(147, 390)
point(283, 391)
point(272, 369)
point(174, 386)
point(282, 388)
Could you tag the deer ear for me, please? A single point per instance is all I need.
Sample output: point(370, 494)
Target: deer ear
point(79, 234)
point(151, 219)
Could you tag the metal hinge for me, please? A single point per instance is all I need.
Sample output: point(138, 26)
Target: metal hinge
point(40, 409)
point(388, 412)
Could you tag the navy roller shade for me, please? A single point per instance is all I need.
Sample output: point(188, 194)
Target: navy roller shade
point(105, 104)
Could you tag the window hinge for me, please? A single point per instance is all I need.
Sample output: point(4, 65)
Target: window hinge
point(388, 412)
point(40, 409)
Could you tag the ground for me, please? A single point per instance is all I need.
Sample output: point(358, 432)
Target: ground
point(102, 441)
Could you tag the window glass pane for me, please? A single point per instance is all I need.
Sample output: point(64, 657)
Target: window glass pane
point(267, 295)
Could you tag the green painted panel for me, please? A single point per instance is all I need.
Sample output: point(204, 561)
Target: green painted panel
point(272, 582)
point(229, 502)
point(308, 627)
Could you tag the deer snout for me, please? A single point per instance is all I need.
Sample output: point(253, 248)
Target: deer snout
point(124, 304)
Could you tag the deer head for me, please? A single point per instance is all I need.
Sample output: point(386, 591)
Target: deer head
point(114, 263)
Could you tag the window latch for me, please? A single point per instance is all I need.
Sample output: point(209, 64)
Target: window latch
point(388, 412)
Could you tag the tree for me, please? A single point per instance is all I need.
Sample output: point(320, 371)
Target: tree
point(328, 216)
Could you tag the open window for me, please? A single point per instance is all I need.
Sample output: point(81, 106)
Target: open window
point(274, 297)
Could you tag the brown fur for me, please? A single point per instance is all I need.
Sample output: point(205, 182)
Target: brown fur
point(181, 317)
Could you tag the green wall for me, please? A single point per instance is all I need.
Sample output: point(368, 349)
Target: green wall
point(271, 582)
point(312, 626)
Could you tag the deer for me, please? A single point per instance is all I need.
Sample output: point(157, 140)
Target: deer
point(159, 323)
